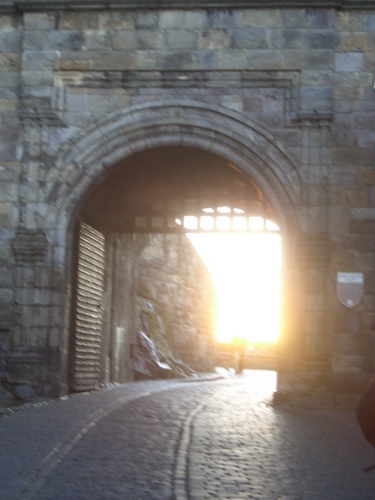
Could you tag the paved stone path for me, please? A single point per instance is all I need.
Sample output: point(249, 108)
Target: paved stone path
point(175, 440)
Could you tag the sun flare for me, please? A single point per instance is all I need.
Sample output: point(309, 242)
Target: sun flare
point(245, 269)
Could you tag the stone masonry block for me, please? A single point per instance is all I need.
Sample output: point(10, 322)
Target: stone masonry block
point(349, 21)
point(221, 18)
point(365, 120)
point(214, 39)
point(316, 78)
point(366, 175)
point(147, 20)
point(126, 40)
point(366, 138)
point(316, 97)
point(36, 78)
point(322, 40)
point(309, 18)
point(350, 61)
point(24, 276)
point(41, 94)
point(6, 280)
point(347, 321)
point(233, 102)
point(355, 42)
point(76, 64)
point(94, 39)
point(8, 215)
point(7, 105)
point(249, 39)
point(68, 20)
point(252, 104)
point(145, 60)
point(344, 98)
point(171, 19)
point(116, 20)
point(40, 59)
point(232, 59)
point(349, 196)
point(9, 21)
point(77, 102)
point(6, 295)
point(10, 41)
point(181, 40)
point(264, 59)
point(175, 60)
point(194, 19)
point(9, 143)
point(138, 40)
point(8, 192)
point(337, 218)
point(346, 156)
point(370, 282)
point(308, 59)
point(365, 262)
point(344, 132)
point(39, 21)
point(309, 39)
point(369, 21)
point(345, 174)
point(262, 18)
point(361, 227)
point(64, 40)
point(111, 60)
point(9, 61)
point(34, 40)
point(362, 213)
point(350, 80)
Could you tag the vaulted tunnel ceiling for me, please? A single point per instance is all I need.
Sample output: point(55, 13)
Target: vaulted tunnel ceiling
point(169, 183)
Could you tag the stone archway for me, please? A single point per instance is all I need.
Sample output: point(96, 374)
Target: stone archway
point(85, 162)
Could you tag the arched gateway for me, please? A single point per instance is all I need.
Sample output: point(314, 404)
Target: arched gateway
point(109, 146)
point(279, 92)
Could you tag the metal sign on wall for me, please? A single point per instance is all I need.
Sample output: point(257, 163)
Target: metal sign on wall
point(350, 288)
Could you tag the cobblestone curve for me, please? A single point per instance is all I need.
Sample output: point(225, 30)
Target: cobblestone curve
point(242, 448)
point(62, 449)
point(181, 467)
point(168, 440)
point(131, 454)
point(37, 439)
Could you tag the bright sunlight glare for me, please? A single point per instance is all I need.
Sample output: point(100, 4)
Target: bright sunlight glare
point(245, 269)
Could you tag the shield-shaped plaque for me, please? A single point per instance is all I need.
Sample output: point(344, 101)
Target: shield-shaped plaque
point(350, 288)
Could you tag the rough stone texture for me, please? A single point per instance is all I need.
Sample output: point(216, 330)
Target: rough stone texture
point(171, 439)
point(171, 271)
point(285, 94)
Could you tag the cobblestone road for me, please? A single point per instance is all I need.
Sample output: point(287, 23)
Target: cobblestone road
point(175, 440)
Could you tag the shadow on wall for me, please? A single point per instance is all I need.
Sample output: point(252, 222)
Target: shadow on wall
point(152, 354)
point(176, 305)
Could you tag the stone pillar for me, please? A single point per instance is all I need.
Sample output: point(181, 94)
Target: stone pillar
point(305, 344)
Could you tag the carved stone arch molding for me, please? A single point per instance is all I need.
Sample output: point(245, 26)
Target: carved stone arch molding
point(85, 161)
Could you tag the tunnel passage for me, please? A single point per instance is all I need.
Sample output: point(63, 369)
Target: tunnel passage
point(166, 191)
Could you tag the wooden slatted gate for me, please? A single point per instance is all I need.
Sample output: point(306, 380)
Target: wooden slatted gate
point(86, 343)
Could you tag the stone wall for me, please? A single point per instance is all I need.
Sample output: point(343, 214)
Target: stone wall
point(174, 276)
point(286, 94)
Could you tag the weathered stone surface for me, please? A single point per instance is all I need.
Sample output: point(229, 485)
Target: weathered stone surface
point(173, 276)
point(29, 245)
point(73, 79)
point(351, 62)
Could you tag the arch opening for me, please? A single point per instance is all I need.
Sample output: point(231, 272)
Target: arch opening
point(140, 212)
